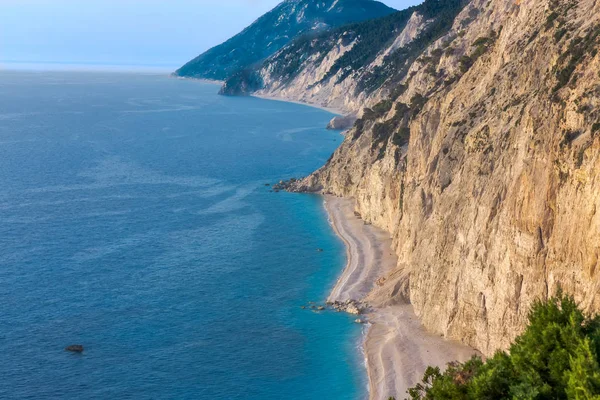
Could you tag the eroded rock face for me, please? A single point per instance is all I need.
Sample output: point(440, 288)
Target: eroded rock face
point(341, 122)
point(493, 199)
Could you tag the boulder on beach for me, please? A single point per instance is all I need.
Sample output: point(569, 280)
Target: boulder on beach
point(349, 306)
point(352, 309)
point(75, 348)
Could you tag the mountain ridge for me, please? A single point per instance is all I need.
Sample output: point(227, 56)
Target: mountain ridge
point(274, 30)
point(350, 67)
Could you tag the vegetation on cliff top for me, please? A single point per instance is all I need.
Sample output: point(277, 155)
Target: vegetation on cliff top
point(274, 30)
point(368, 38)
point(555, 358)
point(440, 16)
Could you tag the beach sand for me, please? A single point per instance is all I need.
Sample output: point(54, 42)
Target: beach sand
point(274, 98)
point(397, 347)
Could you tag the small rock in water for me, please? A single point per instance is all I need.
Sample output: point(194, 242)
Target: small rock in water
point(75, 348)
point(359, 321)
point(320, 250)
point(320, 308)
point(267, 184)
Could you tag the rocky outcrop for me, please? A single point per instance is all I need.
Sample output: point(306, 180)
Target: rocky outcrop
point(341, 122)
point(350, 306)
point(485, 169)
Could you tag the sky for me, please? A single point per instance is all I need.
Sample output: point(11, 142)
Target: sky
point(164, 33)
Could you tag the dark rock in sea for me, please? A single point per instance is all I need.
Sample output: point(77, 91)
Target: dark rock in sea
point(75, 348)
point(320, 308)
point(267, 184)
point(341, 123)
point(320, 250)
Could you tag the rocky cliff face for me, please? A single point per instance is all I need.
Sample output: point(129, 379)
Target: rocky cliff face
point(485, 168)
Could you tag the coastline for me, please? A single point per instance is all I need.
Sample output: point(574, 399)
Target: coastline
point(335, 111)
point(396, 346)
point(201, 80)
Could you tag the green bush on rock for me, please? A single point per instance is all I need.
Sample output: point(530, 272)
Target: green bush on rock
point(555, 358)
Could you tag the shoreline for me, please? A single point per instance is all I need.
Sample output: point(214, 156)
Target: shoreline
point(201, 80)
point(331, 110)
point(396, 347)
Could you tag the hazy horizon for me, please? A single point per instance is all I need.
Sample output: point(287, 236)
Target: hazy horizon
point(129, 33)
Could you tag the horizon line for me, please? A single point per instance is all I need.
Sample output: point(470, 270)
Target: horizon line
point(30, 65)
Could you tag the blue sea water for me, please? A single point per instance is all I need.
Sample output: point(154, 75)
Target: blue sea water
point(134, 220)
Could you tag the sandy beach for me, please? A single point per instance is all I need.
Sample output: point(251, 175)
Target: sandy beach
point(397, 347)
point(274, 98)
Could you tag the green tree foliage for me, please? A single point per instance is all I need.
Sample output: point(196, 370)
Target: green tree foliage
point(241, 83)
point(555, 358)
point(394, 69)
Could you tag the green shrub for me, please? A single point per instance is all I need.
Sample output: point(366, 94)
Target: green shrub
point(417, 102)
point(481, 41)
point(383, 107)
point(465, 63)
point(555, 358)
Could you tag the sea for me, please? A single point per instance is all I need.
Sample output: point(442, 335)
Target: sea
point(135, 220)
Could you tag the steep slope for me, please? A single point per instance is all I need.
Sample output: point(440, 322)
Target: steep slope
point(352, 66)
point(274, 30)
point(485, 167)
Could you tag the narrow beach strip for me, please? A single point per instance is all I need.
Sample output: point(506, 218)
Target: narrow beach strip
point(397, 347)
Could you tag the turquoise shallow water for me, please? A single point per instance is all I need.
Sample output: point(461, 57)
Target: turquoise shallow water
point(135, 221)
